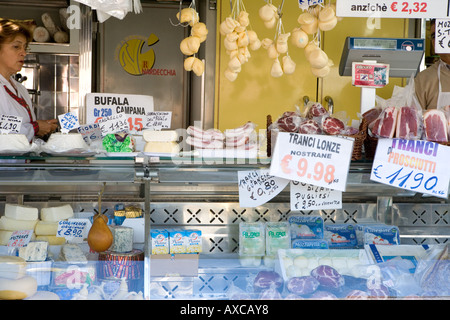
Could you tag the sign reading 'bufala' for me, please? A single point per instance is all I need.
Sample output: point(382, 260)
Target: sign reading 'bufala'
point(410, 9)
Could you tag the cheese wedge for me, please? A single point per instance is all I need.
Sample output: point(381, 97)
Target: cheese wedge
point(12, 267)
point(159, 136)
point(34, 251)
point(162, 147)
point(19, 212)
point(10, 224)
point(46, 228)
point(56, 214)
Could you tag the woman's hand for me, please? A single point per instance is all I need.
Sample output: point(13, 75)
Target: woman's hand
point(47, 127)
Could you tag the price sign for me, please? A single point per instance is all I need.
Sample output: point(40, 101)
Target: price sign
point(20, 238)
point(442, 40)
point(308, 197)
point(10, 124)
point(90, 132)
point(305, 4)
point(257, 187)
point(68, 121)
point(135, 107)
point(74, 230)
point(418, 9)
point(114, 124)
point(158, 120)
point(315, 159)
point(415, 165)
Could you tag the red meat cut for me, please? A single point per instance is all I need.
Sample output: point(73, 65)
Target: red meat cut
point(316, 110)
point(333, 126)
point(371, 115)
point(408, 123)
point(385, 127)
point(309, 127)
point(435, 125)
point(289, 121)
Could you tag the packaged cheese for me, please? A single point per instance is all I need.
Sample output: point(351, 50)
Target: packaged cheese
point(193, 241)
point(10, 224)
point(160, 241)
point(177, 241)
point(56, 214)
point(19, 212)
point(12, 267)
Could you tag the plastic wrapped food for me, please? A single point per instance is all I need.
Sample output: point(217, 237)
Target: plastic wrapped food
point(267, 279)
point(251, 239)
point(328, 276)
point(118, 142)
point(302, 285)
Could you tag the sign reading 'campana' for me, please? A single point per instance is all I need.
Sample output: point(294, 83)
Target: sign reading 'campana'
point(418, 9)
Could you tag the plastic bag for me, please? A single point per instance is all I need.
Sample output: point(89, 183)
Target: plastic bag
point(115, 8)
point(433, 272)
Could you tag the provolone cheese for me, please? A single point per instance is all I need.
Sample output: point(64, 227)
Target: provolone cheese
point(19, 212)
point(52, 240)
point(12, 267)
point(46, 228)
point(55, 214)
point(10, 224)
point(16, 289)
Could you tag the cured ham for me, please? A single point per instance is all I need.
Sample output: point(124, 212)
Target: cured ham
point(333, 126)
point(435, 125)
point(289, 122)
point(371, 115)
point(309, 127)
point(408, 124)
point(316, 110)
point(386, 123)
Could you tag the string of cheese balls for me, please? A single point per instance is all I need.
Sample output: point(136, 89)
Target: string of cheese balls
point(189, 46)
point(314, 20)
point(238, 39)
point(279, 45)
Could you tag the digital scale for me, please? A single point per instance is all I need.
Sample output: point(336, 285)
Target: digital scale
point(402, 55)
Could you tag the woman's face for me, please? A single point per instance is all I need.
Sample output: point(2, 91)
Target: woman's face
point(12, 55)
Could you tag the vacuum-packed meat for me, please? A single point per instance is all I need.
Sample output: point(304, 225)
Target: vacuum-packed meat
point(386, 123)
point(333, 126)
point(316, 110)
point(289, 122)
point(408, 123)
point(309, 127)
point(435, 125)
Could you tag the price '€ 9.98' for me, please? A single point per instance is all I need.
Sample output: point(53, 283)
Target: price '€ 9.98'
point(319, 172)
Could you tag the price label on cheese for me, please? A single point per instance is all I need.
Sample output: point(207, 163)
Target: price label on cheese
point(74, 230)
point(309, 197)
point(415, 165)
point(158, 120)
point(20, 238)
point(409, 9)
point(68, 121)
point(90, 132)
point(258, 186)
point(442, 36)
point(114, 124)
point(10, 124)
point(315, 159)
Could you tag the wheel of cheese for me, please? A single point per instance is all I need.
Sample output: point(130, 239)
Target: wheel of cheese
point(44, 295)
point(12, 267)
point(17, 289)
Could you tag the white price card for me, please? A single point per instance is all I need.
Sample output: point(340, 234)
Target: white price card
point(68, 121)
point(305, 4)
point(114, 124)
point(74, 230)
point(319, 160)
point(257, 187)
point(90, 132)
point(20, 238)
point(158, 120)
point(442, 36)
point(415, 165)
point(10, 124)
point(308, 197)
point(410, 9)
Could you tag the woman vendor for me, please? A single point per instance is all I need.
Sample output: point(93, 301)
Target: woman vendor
point(14, 97)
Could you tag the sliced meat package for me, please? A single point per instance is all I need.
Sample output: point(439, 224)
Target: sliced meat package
point(243, 137)
point(205, 139)
point(446, 110)
point(371, 115)
point(384, 126)
point(409, 123)
point(435, 125)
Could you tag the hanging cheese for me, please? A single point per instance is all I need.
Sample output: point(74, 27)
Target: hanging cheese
point(57, 213)
point(328, 25)
point(288, 65)
point(299, 38)
point(19, 212)
point(17, 289)
point(318, 59)
point(200, 31)
point(9, 224)
point(268, 12)
point(277, 70)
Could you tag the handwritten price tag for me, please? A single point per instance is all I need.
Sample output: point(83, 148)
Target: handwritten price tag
point(442, 40)
point(158, 120)
point(257, 187)
point(74, 230)
point(308, 197)
point(68, 121)
point(10, 124)
point(90, 132)
point(114, 124)
point(415, 165)
point(20, 238)
point(315, 159)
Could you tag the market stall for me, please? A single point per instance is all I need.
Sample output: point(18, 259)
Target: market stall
point(135, 199)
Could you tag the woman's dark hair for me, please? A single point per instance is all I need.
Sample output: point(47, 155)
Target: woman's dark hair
point(9, 29)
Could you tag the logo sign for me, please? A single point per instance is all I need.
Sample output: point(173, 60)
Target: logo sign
point(409, 9)
point(114, 124)
point(315, 159)
point(135, 107)
point(415, 165)
point(10, 124)
point(74, 229)
point(135, 57)
point(20, 238)
point(158, 120)
point(442, 40)
point(68, 121)
point(90, 132)
point(309, 197)
point(258, 186)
